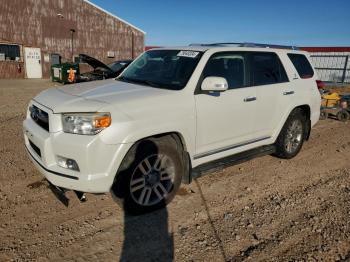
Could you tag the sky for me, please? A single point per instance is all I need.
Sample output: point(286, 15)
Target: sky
point(181, 22)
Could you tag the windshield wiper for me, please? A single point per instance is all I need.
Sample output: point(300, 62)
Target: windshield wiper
point(138, 81)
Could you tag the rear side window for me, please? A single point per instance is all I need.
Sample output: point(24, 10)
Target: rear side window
point(302, 65)
point(267, 69)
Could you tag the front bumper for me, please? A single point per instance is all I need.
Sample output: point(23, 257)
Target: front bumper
point(98, 162)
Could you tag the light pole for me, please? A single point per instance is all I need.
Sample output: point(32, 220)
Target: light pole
point(72, 31)
point(132, 44)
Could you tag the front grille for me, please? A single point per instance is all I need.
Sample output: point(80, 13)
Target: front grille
point(35, 148)
point(40, 117)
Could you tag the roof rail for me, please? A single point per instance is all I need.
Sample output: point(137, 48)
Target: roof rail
point(247, 44)
point(218, 44)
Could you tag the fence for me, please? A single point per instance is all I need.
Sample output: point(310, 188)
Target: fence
point(332, 68)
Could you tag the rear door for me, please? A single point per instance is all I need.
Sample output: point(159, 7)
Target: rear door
point(225, 120)
point(272, 87)
point(304, 82)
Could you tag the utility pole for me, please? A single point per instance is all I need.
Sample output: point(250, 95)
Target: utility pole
point(132, 45)
point(72, 31)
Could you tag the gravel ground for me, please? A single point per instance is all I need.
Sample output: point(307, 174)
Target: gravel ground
point(266, 209)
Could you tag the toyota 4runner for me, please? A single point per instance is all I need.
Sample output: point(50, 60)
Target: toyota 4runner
point(172, 115)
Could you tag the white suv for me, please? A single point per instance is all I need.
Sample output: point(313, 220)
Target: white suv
point(173, 114)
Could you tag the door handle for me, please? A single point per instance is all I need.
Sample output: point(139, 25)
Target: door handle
point(250, 99)
point(288, 93)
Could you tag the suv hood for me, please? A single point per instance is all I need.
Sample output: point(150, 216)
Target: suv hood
point(93, 96)
point(94, 63)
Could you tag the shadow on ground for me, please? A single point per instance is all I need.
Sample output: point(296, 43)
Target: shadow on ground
point(146, 238)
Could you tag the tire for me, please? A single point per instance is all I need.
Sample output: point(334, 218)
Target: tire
point(152, 173)
point(323, 115)
point(292, 135)
point(343, 115)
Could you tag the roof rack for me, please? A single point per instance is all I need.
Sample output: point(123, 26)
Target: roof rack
point(247, 44)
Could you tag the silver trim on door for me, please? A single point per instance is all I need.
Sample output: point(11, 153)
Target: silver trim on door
point(216, 151)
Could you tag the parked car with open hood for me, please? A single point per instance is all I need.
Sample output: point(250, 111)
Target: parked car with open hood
point(100, 70)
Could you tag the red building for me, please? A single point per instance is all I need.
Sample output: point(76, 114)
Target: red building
point(31, 31)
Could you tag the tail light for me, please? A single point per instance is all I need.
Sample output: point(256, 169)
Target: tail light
point(320, 84)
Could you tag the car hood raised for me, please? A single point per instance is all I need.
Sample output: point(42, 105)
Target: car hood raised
point(93, 62)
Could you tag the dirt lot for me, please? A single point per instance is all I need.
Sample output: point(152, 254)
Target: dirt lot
point(263, 210)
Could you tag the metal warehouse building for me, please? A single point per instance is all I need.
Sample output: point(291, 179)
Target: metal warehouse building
point(331, 63)
point(33, 32)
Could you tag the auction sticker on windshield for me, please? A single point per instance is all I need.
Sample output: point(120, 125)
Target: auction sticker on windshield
point(191, 54)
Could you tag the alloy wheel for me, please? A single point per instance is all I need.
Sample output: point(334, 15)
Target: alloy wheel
point(152, 180)
point(294, 136)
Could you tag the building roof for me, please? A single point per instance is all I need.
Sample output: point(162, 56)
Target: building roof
point(326, 48)
point(109, 13)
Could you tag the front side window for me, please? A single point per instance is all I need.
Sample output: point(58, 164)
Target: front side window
point(267, 69)
point(229, 65)
point(302, 65)
point(169, 69)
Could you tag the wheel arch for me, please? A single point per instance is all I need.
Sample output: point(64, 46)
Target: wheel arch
point(304, 107)
point(117, 186)
point(175, 134)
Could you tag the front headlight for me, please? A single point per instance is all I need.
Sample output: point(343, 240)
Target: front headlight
point(85, 123)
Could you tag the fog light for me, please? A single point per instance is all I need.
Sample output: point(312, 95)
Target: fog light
point(67, 163)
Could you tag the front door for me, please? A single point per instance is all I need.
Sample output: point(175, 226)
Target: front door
point(225, 120)
point(33, 62)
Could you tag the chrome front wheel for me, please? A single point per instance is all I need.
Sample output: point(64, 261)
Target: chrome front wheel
point(152, 180)
point(150, 174)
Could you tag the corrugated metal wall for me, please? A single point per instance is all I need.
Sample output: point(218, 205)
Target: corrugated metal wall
point(330, 66)
point(35, 23)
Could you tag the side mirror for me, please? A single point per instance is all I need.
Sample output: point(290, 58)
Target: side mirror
point(213, 83)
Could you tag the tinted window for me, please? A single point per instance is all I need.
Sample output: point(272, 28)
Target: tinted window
point(302, 65)
point(267, 69)
point(230, 66)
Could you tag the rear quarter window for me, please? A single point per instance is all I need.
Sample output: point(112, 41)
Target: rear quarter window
point(302, 65)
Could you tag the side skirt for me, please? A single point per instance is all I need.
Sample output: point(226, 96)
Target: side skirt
point(219, 164)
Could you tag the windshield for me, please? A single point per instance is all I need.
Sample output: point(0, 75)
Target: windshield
point(116, 66)
point(170, 69)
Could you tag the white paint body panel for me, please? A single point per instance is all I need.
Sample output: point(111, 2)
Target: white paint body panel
point(205, 123)
point(224, 119)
